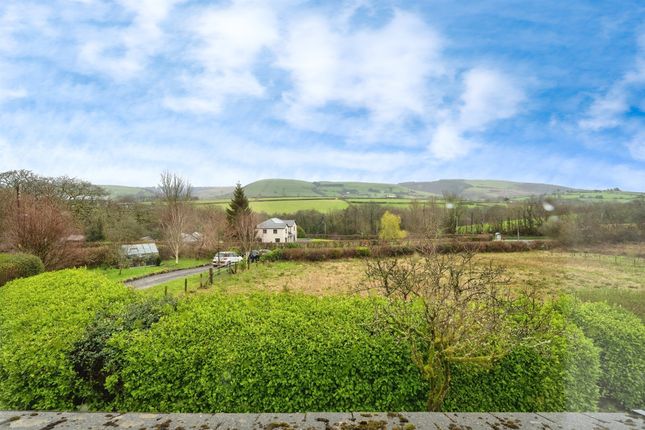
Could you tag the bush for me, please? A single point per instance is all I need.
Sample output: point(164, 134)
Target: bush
point(93, 359)
point(562, 376)
point(286, 353)
point(620, 336)
point(40, 320)
point(13, 266)
point(266, 353)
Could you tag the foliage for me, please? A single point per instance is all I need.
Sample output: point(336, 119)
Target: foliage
point(619, 334)
point(18, 265)
point(452, 311)
point(41, 318)
point(239, 205)
point(561, 375)
point(94, 359)
point(266, 353)
point(390, 228)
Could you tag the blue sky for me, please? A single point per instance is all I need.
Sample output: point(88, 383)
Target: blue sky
point(117, 91)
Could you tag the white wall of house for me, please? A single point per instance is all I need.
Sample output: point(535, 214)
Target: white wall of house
point(286, 234)
point(268, 235)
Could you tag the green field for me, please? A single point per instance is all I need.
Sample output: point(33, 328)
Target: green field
point(276, 206)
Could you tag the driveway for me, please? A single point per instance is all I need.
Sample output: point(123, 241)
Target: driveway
point(153, 280)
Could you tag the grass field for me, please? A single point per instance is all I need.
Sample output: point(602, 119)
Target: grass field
point(275, 206)
point(592, 277)
point(134, 272)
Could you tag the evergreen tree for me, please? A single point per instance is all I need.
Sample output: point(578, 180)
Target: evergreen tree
point(239, 205)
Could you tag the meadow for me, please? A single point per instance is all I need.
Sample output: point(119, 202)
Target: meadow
point(591, 276)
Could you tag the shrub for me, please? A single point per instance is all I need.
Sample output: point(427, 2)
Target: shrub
point(93, 359)
point(285, 353)
point(266, 353)
point(40, 320)
point(13, 266)
point(561, 376)
point(620, 336)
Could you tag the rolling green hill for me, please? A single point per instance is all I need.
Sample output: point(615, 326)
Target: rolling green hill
point(467, 189)
point(485, 189)
point(295, 188)
point(202, 193)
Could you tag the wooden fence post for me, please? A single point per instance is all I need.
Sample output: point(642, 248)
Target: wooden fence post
point(210, 276)
point(185, 285)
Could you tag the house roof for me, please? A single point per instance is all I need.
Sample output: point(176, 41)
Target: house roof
point(277, 223)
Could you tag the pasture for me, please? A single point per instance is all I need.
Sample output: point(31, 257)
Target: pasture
point(616, 279)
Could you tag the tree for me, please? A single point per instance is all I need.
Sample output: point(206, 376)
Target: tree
point(391, 227)
point(451, 310)
point(175, 193)
point(244, 232)
point(40, 226)
point(239, 205)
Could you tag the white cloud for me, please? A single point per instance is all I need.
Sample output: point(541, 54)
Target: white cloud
point(609, 110)
point(229, 41)
point(123, 53)
point(636, 145)
point(382, 72)
point(488, 96)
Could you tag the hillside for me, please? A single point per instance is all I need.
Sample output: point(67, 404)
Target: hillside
point(295, 188)
point(468, 189)
point(202, 193)
point(485, 189)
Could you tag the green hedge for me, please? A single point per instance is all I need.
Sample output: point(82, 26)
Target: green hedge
point(561, 375)
point(285, 353)
point(73, 338)
point(621, 337)
point(265, 352)
point(13, 266)
point(40, 319)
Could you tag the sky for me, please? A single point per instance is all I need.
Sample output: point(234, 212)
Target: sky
point(118, 91)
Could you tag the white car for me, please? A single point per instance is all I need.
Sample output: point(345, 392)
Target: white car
point(226, 258)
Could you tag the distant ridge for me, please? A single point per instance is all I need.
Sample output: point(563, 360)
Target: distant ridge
point(479, 189)
point(468, 189)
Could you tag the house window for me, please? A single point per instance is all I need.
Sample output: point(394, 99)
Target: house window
point(264, 231)
point(277, 239)
point(275, 231)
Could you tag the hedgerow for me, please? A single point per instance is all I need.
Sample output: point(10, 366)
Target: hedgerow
point(13, 266)
point(40, 319)
point(285, 353)
point(332, 253)
point(621, 337)
point(266, 353)
point(560, 375)
point(73, 338)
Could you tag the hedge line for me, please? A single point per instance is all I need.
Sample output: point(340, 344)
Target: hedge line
point(322, 254)
point(621, 338)
point(40, 319)
point(13, 266)
point(72, 338)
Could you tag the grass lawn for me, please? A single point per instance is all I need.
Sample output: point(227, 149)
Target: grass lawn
point(591, 277)
point(133, 272)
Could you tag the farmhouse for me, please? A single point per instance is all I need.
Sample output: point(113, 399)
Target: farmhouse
point(277, 230)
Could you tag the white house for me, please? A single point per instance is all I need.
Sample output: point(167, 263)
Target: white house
point(277, 230)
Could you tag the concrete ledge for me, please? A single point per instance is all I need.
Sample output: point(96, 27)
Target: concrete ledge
point(321, 421)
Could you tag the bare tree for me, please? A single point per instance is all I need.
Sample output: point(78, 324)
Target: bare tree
point(244, 232)
point(175, 194)
point(40, 226)
point(450, 310)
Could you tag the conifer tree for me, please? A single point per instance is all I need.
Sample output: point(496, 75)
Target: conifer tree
point(239, 205)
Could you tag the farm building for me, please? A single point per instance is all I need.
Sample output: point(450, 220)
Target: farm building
point(277, 230)
point(141, 253)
